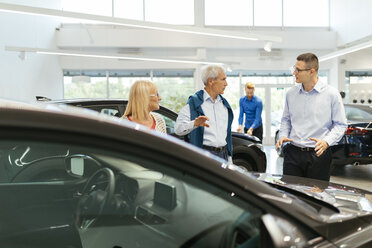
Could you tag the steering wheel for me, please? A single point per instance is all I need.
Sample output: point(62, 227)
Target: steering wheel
point(96, 197)
point(242, 233)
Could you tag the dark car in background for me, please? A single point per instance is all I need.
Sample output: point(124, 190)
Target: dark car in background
point(74, 178)
point(355, 147)
point(247, 150)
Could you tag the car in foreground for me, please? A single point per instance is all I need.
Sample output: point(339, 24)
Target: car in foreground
point(76, 178)
point(247, 150)
point(355, 147)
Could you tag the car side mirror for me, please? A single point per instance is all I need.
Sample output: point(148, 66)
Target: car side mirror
point(81, 165)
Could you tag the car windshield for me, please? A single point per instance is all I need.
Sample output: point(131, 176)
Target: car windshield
point(358, 113)
point(85, 193)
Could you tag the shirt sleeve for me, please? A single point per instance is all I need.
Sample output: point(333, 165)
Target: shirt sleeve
point(339, 123)
point(285, 125)
point(257, 119)
point(183, 124)
point(241, 112)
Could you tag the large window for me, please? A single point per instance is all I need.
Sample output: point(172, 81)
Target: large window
point(174, 87)
point(289, 13)
point(95, 7)
point(129, 9)
point(228, 12)
point(301, 13)
point(170, 11)
point(174, 91)
point(179, 12)
point(268, 16)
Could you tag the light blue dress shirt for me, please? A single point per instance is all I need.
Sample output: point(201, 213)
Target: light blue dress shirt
point(316, 114)
point(215, 134)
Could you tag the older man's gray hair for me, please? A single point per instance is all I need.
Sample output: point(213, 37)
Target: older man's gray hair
point(211, 71)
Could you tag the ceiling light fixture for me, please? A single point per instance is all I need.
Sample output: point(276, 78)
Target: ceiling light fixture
point(134, 23)
point(344, 51)
point(104, 56)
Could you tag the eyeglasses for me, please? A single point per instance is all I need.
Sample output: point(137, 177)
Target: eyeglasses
point(297, 70)
point(157, 95)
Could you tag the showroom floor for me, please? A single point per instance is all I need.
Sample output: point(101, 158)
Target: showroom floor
point(356, 176)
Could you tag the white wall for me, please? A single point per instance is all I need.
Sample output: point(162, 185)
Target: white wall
point(36, 74)
point(351, 19)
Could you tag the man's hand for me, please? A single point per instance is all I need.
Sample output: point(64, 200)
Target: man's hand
point(200, 121)
point(281, 141)
point(240, 129)
point(320, 146)
point(250, 131)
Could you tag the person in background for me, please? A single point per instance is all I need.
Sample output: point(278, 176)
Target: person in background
point(251, 106)
point(207, 116)
point(143, 99)
point(313, 120)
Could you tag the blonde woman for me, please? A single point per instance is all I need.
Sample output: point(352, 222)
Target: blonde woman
point(143, 99)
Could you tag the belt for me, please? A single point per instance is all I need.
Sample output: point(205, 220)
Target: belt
point(304, 149)
point(214, 149)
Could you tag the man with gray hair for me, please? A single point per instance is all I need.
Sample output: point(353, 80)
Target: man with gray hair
point(207, 117)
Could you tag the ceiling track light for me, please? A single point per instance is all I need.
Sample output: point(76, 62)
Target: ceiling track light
point(5, 7)
point(345, 51)
point(268, 46)
point(24, 50)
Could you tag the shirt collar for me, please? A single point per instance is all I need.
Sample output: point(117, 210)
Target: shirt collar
point(206, 96)
point(319, 87)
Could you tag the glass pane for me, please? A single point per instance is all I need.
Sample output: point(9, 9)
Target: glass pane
point(174, 91)
point(95, 89)
point(260, 92)
point(360, 79)
point(269, 79)
point(232, 94)
point(156, 202)
point(170, 11)
point(130, 9)
point(229, 12)
point(277, 106)
point(264, 16)
point(96, 7)
point(301, 13)
point(120, 86)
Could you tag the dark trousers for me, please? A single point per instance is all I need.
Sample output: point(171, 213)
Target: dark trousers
point(222, 154)
point(258, 132)
point(306, 164)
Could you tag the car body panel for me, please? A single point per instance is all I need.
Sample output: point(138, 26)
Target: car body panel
point(316, 208)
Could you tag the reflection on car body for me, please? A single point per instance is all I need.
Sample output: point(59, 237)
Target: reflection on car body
point(247, 151)
point(127, 186)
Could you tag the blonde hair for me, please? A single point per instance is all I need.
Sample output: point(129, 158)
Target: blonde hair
point(249, 85)
point(139, 100)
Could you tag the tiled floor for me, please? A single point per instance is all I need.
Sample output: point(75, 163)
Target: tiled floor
point(356, 176)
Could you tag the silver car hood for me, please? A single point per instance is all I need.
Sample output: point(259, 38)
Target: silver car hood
point(349, 201)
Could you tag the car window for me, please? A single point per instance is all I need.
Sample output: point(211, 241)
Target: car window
point(355, 113)
point(173, 209)
point(170, 125)
point(109, 110)
point(34, 162)
point(153, 205)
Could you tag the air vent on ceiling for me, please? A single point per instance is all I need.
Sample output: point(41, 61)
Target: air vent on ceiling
point(274, 54)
